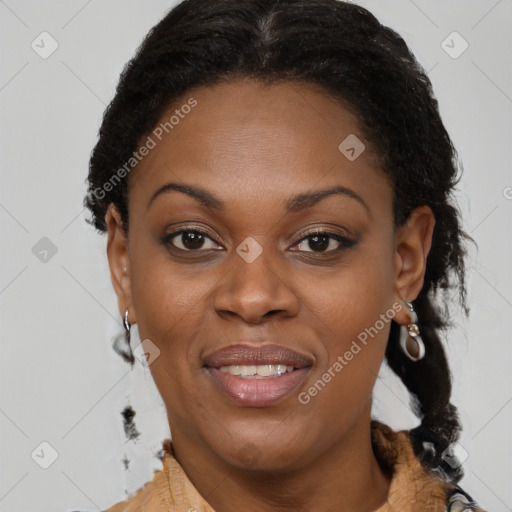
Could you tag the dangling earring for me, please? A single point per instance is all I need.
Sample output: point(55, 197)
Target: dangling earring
point(122, 342)
point(410, 340)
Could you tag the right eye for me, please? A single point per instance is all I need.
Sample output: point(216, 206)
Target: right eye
point(189, 240)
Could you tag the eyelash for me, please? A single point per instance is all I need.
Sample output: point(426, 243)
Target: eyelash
point(345, 243)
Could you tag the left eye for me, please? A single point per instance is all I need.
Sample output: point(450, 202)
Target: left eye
point(323, 241)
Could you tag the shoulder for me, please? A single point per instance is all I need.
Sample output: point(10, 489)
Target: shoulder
point(137, 502)
point(169, 491)
point(461, 501)
point(411, 483)
point(152, 496)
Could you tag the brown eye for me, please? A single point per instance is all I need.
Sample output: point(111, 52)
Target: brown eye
point(190, 240)
point(321, 242)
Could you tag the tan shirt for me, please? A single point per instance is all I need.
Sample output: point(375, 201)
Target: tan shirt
point(412, 489)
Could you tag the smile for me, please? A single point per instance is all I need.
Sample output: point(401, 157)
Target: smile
point(257, 376)
point(262, 371)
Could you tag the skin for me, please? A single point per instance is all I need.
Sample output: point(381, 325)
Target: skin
point(253, 147)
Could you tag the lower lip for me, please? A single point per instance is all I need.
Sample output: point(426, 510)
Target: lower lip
point(258, 392)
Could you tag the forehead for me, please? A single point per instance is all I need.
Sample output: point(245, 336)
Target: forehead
point(257, 139)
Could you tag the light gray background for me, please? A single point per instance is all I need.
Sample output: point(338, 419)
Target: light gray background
point(60, 381)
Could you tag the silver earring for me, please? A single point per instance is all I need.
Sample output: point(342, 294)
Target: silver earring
point(410, 340)
point(122, 343)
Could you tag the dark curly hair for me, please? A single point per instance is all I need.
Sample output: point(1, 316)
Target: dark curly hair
point(343, 48)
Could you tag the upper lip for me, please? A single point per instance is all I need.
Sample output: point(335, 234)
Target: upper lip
point(245, 354)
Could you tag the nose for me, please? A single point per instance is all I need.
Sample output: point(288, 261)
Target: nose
point(255, 291)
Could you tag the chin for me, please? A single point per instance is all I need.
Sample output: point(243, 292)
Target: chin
point(265, 449)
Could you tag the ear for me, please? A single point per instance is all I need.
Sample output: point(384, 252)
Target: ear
point(119, 262)
point(412, 244)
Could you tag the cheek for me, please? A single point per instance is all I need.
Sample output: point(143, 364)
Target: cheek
point(352, 310)
point(169, 301)
point(170, 311)
point(351, 298)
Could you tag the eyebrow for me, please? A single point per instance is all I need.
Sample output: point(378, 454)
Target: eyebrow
point(294, 204)
point(202, 195)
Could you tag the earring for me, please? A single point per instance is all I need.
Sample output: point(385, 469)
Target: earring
point(122, 342)
point(410, 340)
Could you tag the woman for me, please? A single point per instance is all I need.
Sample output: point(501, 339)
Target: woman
point(275, 181)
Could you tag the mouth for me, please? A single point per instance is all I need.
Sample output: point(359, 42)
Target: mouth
point(257, 376)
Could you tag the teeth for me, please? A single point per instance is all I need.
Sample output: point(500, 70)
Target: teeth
point(248, 371)
point(260, 371)
point(266, 370)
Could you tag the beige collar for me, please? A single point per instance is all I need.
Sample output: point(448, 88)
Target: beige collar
point(412, 487)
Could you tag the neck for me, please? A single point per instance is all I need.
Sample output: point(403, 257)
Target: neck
point(344, 478)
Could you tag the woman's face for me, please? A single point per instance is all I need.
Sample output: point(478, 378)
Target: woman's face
point(259, 289)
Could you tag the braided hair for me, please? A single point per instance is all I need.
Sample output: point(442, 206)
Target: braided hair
point(343, 48)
